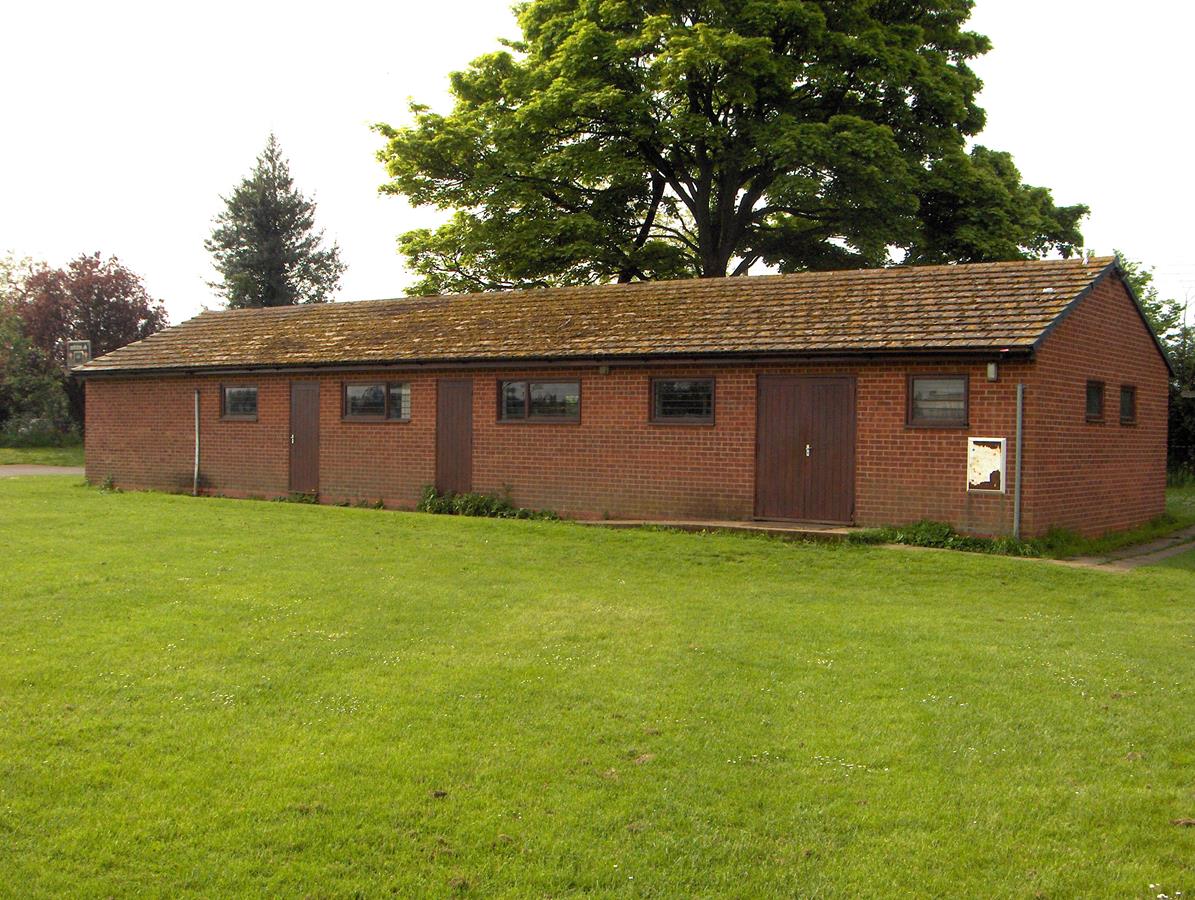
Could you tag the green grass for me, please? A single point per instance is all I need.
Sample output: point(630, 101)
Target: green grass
point(1181, 561)
point(1180, 501)
point(42, 456)
point(215, 698)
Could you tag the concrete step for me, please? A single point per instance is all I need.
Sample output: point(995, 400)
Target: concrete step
point(789, 531)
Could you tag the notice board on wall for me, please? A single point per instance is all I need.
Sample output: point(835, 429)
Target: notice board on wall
point(986, 459)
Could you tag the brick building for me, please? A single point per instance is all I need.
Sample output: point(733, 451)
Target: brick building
point(866, 397)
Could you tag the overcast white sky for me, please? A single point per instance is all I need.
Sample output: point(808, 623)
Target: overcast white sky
point(126, 121)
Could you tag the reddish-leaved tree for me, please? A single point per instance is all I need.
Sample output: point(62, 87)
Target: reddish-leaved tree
point(94, 299)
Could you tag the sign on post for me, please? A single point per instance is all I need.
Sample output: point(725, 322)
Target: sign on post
point(77, 353)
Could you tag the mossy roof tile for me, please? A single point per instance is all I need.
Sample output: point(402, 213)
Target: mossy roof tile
point(987, 306)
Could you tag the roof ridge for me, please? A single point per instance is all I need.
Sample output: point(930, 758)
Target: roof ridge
point(1094, 263)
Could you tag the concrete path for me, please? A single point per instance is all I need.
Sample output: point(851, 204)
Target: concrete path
point(1123, 560)
point(1145, 554)
point(785, 530)
point(11, 471)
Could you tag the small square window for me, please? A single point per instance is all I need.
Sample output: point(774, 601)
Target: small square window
point(1095, 401)
point(675, 400)
point(365, 400)
point(238, 402)
point(937, 401)
point(1128, 404)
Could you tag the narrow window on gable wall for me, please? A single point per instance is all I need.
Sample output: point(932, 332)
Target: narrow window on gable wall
point(1095, 401)
point(1128, 404)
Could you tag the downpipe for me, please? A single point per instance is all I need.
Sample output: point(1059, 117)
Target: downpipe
point(1020, 442)
point(195, 473)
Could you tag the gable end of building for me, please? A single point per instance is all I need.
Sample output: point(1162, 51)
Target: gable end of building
point(1112, 270)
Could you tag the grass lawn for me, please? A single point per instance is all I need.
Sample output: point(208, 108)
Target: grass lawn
point(1180, 501)
point(1182, 561)
point(210, 697)
point(42, 456)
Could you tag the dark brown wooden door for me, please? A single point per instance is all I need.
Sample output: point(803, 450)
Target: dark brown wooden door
point(304, 437)
point(805, 449)
point(454, 436)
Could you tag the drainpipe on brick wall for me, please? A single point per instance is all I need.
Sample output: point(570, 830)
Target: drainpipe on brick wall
point(195, 475)
point(1016, 497)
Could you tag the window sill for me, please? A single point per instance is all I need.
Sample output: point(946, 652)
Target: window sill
point(238, 418)
point(374, 420)
point(925, 426)
point(539, 421)
point(685, 423)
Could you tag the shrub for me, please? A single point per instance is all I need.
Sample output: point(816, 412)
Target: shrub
point(38, 431)
point(940, 534)
point(490, 506)
point(1180, 476)
point(297, 497)
point(34, 411)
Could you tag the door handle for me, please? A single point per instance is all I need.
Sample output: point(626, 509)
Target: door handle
point(806, 449)
point(292, 438)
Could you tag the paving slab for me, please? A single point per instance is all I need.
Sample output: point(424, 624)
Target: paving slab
point(22, 470)
point(784, 530)
point(1123, 560)
point(1138, 555)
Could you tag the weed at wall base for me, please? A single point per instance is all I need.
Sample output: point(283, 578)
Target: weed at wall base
point(941, 535)
point(490, 506)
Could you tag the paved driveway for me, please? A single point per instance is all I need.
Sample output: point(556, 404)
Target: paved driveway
point(8, 471)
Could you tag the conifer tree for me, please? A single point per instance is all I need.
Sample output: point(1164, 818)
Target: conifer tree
point(265, 245)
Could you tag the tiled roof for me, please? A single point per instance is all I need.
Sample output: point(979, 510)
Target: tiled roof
point(988, 306)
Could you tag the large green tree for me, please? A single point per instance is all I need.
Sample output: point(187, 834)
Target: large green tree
point(33, 403)
point(32, 399)
point(265, 245)
point(1168, 317)
point(641, 139)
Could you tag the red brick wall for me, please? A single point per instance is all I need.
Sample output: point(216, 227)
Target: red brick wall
point(363, 462)
point(905, 474)
point(1093, 478)
point(615, 462)
point(139, 433)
